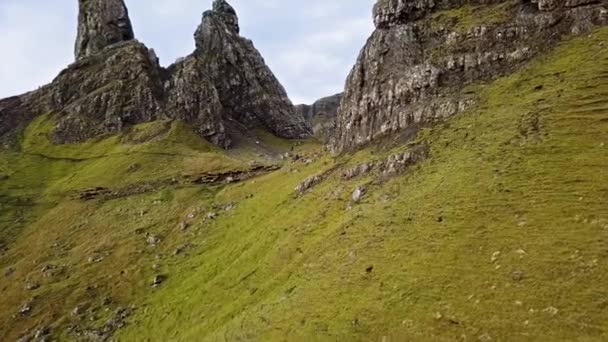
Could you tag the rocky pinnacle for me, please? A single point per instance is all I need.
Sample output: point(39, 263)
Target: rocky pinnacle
point(221, 90)
point(101, 23)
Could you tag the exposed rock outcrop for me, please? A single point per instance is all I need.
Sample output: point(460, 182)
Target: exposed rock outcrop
point(424, 52)
point(101, 23)
point(321, 116)
point(117, 82)
point(248, 90)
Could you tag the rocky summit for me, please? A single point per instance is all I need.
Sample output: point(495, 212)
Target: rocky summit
point(222, 88)
point(423, 53)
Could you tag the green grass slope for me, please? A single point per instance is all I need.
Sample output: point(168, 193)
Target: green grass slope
point(500, 234)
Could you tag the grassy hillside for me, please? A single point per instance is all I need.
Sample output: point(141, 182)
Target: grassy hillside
point(501, 234)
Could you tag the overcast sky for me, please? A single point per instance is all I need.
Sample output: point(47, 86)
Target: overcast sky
point(310, 45)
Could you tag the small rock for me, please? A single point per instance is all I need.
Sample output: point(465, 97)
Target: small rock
point(153, 240)
point(25, 309)
point(485, 338)
point(369, 269)
point(158, 280)
point(41, 332)
point(551, 311)
point(183, 226)
point(133, 168)
point(9, 271)
point(211, 216)
point(30, 286)
point(95, 259)
point(191, 215)
point(358, 194)
point(156, 267)
point(495, 256)
point(230, 180)
point(78, 310)
point(517, 275)
point(438, 315)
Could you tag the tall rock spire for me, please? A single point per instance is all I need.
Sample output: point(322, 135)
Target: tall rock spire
point(101, 23)
point(228, 14)
point(248, 90)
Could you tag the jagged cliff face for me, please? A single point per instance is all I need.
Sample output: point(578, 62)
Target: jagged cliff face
point(424, 52)
point(117, 82)
point(321, 115)
point(249, 91)
point(101, 23)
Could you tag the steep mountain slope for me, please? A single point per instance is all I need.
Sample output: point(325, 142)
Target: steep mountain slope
point(491, 225)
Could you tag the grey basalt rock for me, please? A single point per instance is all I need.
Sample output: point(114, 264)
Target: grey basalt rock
point(101, 23)
point(414, 66)
point(321, 116)
point(247, 88)
point(117, 82)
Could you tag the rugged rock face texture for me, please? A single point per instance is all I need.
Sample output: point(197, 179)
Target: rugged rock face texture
point(117, 82)
point(249, 91)
point(424, 52)
point(106, 92)
point(321, 115)
point(101, 23)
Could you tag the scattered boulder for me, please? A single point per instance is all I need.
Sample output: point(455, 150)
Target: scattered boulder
point(517, 275)
point(495, 256)
point(308, 184)
point(25, 308)
point(78, 311)
point(95, 259)
point(183, 226)
point(9, 271)
point(358, 194)
point(158, 280)
point(133, 168)
point(153, 240)
point(551, 311)
point(32, 285)
point(41, 332)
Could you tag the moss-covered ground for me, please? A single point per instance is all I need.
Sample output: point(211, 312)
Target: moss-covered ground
point(501, 234)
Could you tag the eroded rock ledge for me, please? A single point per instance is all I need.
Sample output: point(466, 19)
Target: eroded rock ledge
point(424, 52)
point(117, 81)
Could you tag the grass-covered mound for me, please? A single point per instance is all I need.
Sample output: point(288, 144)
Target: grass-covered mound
point(500, 234)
